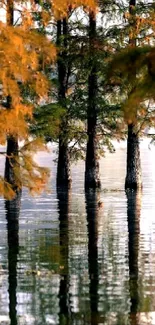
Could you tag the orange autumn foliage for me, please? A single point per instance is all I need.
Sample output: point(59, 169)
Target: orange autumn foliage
point(60, 7)
point(20, 51)
point(20, 64)
point(23, 55)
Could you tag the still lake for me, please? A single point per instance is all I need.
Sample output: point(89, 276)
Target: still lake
point(65, 260)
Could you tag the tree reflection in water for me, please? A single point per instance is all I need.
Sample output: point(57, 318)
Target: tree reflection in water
point(133, 214)
point(92, 209)
point(63, 196)
point(12, 216)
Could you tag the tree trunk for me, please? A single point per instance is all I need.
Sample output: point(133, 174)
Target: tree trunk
point(12, 141)
point(92, 179)
point(133, 177)
point(9, 12)
point(63, 167)
point(92, 165)
point(11, 154)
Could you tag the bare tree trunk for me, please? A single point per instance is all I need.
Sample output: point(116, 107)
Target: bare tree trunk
point(63, 167)
point(10, 163)
point(133, 176)
point(92, 179)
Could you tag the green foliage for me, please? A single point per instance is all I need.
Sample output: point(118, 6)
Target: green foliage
point(46, 121)
point(138, 92)
point(119, 93)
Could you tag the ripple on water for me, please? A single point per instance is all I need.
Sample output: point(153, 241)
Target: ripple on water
point(80, 262)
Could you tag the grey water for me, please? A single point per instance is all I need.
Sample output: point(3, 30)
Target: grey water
point(67, 260)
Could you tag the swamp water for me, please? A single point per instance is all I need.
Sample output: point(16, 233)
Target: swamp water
point(67, 260)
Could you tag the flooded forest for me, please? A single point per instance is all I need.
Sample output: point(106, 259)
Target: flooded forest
point(77, 177)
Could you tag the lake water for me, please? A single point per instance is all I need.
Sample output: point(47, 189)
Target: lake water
point(65, 260)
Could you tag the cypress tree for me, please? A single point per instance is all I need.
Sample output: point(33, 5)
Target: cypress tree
point(63, 167)
point(92, 165)
point(12, 140)
point(133, 176)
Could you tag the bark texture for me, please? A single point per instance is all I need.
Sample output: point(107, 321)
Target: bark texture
point(133, 177)
point(63, 167)
point(92, 178)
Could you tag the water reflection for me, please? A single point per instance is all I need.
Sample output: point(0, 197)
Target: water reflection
point(92, 209)
point(133, 214)
point(63, 208)
point(79, 266)
point(12, 209)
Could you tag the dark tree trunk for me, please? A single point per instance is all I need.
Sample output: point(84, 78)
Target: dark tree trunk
point(9, 12)
point(10, 163)
point(133, 176)
point(12, 207)
point(12, 215)
point(63, 167)
point(11, 157)
point(92, 179)
point(133, 213)
point(12, 141)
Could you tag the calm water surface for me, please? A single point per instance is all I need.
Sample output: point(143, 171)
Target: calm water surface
point(64, 260)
